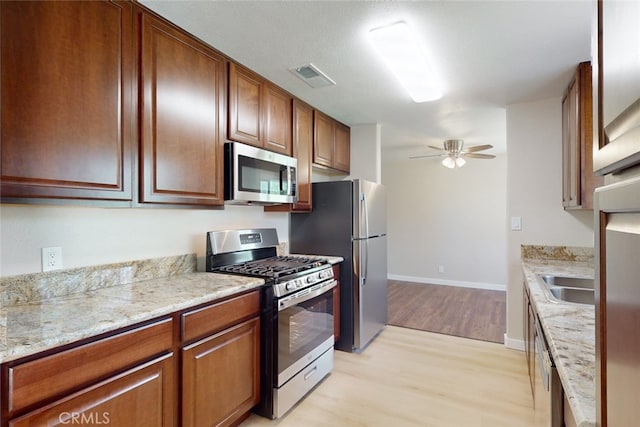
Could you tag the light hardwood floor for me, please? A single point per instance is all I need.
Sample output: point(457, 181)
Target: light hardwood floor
point(408, 377)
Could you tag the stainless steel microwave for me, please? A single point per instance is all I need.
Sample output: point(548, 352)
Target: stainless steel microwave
point(257, 176)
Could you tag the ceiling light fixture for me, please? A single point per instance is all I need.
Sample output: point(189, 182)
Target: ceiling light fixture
point(402, 53)
point(453, 162)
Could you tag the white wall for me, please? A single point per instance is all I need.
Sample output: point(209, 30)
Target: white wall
point(450, 217)
point(92, 236)
point(534, 192)
point(366, 153)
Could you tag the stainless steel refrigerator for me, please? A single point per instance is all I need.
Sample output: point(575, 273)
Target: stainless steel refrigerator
point(349, 219)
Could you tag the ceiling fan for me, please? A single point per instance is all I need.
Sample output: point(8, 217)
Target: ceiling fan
point(455, 153)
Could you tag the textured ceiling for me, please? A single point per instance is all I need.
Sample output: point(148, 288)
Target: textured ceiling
point(488, 55)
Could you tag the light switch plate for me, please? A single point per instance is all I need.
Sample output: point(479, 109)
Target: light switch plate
point(516, 223)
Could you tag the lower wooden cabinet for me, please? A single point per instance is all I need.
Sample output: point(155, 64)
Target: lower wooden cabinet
point(140, 397)
point(146, 375)
point(529, 325)
point(221, 376)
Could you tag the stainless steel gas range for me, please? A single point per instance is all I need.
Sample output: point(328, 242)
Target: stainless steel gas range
point(297, 319)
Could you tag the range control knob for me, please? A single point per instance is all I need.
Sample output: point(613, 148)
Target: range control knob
point(290, 286)
point(310, 279)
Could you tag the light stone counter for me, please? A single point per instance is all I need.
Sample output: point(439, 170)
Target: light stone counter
point(569, 328)
point(47, 310)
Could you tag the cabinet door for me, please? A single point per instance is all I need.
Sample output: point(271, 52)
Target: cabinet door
point(303, 151)
point(221, 376)
point(67, 99)
point(324, 134)
point(278, 119)
point(342, 148)
point(143, 396)
point(183, 85)
point(571, 147)
point(245, 106)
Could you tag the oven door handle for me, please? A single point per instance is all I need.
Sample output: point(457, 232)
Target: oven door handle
point(305, 294)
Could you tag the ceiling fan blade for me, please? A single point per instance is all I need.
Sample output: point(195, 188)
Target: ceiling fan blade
point(479, 156)
point(435, 148)
point(477, 148)
point(428, 155)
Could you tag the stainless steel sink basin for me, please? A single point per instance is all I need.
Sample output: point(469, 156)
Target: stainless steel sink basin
point(569, 282)
point(580, 296)
point(569, 289)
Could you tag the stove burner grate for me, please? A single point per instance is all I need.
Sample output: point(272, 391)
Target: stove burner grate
point(274, 267)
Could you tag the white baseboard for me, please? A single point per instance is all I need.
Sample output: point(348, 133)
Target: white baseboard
point(431, 281)
point(513, 343)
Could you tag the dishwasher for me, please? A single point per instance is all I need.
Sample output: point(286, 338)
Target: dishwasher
point(548, 392)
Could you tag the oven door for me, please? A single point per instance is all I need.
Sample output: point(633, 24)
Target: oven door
point(305, 328)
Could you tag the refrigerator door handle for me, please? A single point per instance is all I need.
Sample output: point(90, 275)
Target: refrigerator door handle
point(366, 235)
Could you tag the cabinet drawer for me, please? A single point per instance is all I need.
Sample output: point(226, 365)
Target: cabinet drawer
point(116, 401)
point(208, 320)
point(63, 372)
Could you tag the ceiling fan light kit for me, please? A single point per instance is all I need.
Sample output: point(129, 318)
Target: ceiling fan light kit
point(454, 152)
point(453, 162)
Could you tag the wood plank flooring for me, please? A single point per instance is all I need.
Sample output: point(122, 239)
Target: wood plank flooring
point(407, 377)
point(464, 312)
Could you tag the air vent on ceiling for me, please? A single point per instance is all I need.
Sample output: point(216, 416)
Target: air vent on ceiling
point(312, 75)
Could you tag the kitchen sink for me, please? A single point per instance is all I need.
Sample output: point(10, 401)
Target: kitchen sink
point(569, 289)
point(569, 282)
point(581, 296)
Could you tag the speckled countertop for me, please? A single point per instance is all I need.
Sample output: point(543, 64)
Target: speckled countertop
point(41, 311)
point(569, 328)
point(45, 310)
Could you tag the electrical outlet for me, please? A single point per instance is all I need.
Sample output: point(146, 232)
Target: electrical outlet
point(441, 268)
point(51, 258)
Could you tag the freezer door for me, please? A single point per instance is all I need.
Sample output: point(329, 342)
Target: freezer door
point(369, 209)
point(370, 289)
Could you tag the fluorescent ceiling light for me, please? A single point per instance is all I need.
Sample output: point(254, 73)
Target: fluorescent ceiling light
point(403, 54)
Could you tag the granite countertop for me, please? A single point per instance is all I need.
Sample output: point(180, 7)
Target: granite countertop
point(31, 325)
point(570, 332)
point(41, 311)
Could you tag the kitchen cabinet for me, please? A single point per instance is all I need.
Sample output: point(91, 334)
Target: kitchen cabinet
point(331, 143)
point(260, 113)
point(183, 85)
point(223, 367)
point(529, 324)
point(578, 178)
point(102, 380)
point(68, 100)
point(138, 397)
point(618, 86)
point(303, 152)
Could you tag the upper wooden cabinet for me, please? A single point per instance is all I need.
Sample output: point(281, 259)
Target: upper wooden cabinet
point(303, 151)
point(578, 179)
point(259, 112)
point(331, 143)
point(183, 85)
point(68, 99)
